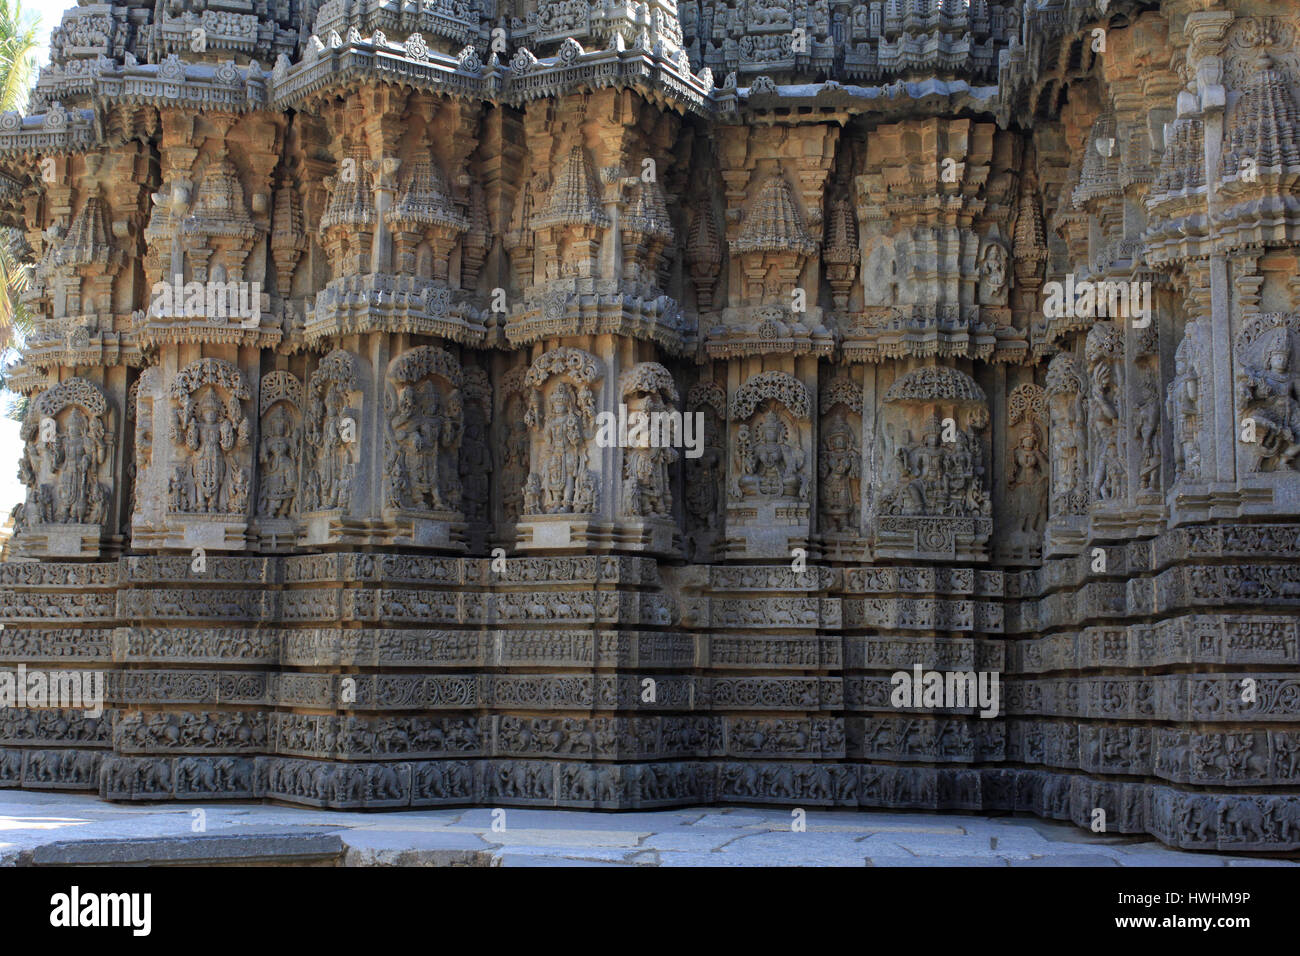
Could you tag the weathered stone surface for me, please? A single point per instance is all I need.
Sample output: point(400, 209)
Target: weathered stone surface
point(334, 308)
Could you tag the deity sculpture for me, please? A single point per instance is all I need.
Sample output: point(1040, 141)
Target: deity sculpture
point(475, 464)
point(564, 449)
point(1107, 472)
point(1028, 485)
point(278, 457)
point(771, 466)
point(647, 483)
point(334, 438)
point(839, 468)
point(936, 476)
point(514, 466)
point(1269, 395)
point(1183, 406)
point(424, 433)
point(214, 482)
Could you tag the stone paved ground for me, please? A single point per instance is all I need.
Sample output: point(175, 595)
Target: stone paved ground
point(48, 828)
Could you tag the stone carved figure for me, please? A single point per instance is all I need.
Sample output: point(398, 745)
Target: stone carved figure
point(280, 446)
point(1268, 392)
point(475, 464)
point(942, 473)
point(648, 390)
point(1146, 428)
point(1067, 447)
point(67, 444)
point(213, 437)
point(514, 447)
point(839, 461)
point(770, 464)
point(1184, 408)
point(330, 451)
point(1029, 474)
point(839, 469)
point(562, 421)
point(278, 460)
point(1104, 353)
point(425, 421)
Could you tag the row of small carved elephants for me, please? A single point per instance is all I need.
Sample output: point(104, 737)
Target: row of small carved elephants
point(1233, 757)
point(1185, 819)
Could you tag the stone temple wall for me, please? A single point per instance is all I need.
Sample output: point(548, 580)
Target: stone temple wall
point(330, 299)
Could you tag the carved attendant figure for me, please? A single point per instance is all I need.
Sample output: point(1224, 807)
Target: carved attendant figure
point(565, 451)
point(1271, 397)
point(839, 470)
point(278, 456)
point(210, 436)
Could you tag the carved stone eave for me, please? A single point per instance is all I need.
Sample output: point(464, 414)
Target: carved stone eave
point(657, 319)
point(1262, 213)
point(52, 133)
point(366, 61)
point(172, 83)
point(397, 18)
point(379, 302)
point(883, 333)
point(155, 331)
point(104, 349)
point(765, 330)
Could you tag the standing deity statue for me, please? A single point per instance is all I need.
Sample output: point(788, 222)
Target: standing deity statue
point(647, 488)
point(475, 465)
point(1105, 418)
point(423, 431)
point(564, 450)
point(78, 454)
point(210, 437)
point(336, 460)
point(1183, 406)
point(1028, 484)
point(839, 469)
point(278, 458)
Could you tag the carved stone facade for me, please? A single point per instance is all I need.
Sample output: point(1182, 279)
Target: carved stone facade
point(988, 313)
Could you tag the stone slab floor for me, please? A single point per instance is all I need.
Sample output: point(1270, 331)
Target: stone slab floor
point(68, 829)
